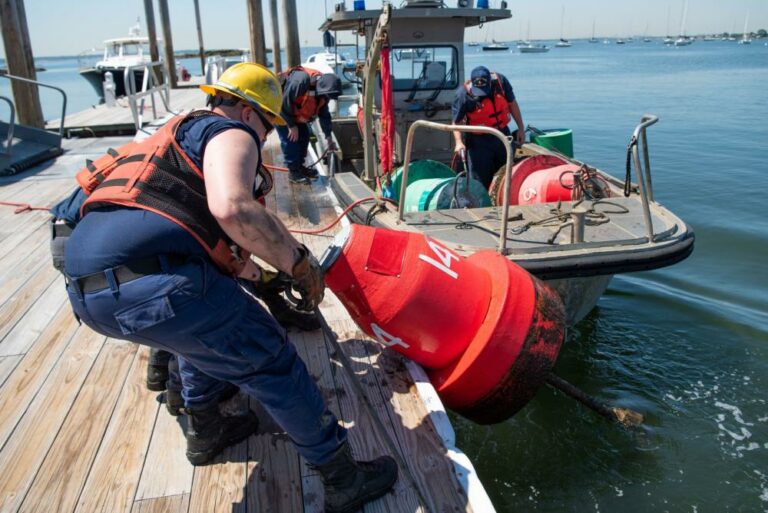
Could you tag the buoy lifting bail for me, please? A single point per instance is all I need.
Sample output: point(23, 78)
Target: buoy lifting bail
point(485, 330)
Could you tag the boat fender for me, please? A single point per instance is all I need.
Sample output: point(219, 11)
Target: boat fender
point(485, 330)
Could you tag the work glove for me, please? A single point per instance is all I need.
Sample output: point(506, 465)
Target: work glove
point(331, 143)
point(308, 280)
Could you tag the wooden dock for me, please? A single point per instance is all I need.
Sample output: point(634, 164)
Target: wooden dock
point(79, 432)
point(105, 121)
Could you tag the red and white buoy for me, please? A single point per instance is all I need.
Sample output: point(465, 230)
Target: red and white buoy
point(486, 331)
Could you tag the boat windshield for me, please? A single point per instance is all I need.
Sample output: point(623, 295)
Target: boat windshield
point(128, 49)
point(424, 68)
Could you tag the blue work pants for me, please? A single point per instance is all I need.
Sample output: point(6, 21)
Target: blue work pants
point(294, 152)
point(219, 334)
point(486, 155)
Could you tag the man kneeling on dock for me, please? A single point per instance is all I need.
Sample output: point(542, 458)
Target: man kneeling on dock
point(169, 224)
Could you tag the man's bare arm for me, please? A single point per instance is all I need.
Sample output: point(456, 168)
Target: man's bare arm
point(229, 164)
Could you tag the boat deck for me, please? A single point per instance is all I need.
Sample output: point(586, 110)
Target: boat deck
point(79, 432)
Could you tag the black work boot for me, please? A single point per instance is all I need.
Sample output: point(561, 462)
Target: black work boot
point(349, 484)
point(157, 369)
point(287, 315)
point(209, 432)
point(309, 172)
point(296, 176)
point(174, 403)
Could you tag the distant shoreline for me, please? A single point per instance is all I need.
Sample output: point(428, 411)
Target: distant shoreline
point(211, 53)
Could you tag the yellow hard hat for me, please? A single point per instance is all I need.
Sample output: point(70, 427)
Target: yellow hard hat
point(254, 84)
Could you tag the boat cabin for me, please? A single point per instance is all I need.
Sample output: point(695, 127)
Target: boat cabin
point(427, 65)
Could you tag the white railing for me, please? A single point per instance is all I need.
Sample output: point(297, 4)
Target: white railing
point(149, 87)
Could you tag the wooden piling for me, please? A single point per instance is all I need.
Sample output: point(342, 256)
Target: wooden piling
point(170, 60)
point(149, 14)
point(276, 58)
point(256, 26)
point(292, 48)
point(200, 37)
point(20, 62)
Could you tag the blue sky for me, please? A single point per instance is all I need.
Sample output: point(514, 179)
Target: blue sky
point(68, 27)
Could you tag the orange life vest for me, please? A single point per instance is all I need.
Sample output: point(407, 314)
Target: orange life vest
point(156, 175)
point(491, 111)
point(307, 106)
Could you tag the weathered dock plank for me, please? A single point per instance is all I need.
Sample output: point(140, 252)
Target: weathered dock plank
point(23, 384)
point(62, 474)
point(170, 473)
point(171, 504)
point(24, 451)
point(114, 476)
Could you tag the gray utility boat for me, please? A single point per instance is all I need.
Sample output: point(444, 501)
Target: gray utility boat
point(564, 221)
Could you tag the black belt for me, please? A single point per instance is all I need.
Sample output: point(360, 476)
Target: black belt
point(124, 273)
point(61, 229)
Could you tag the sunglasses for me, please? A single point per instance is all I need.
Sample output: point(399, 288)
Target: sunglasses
point(480, 82)
point(268, 125)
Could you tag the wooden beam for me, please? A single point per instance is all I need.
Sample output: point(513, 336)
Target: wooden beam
point(276, 58)
point(149, 13)
point(20, 62)
point(200, 36)
point(292, 47)
point(170, 60)
point(256, 30)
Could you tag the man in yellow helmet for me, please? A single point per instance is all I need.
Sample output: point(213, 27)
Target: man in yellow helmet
point(167, 228)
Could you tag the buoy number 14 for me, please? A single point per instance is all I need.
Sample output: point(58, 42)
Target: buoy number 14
point(444, 255)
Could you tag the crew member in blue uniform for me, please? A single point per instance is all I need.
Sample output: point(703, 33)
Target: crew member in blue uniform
point(486, 99)
point(306, 93)
point(169, 224)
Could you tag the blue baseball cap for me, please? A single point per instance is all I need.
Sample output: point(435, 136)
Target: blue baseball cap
point(481, 81)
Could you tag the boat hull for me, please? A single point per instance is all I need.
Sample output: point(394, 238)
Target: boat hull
point(95, 77)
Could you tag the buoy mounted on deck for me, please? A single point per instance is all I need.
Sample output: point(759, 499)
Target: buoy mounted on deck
point(485, 330)
point(547, 179)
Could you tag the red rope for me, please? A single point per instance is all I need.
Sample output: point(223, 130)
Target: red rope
point(340, 216)
point(22, 207)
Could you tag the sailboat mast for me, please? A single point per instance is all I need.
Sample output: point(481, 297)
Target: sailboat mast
point(685, 15)
point(562, 17)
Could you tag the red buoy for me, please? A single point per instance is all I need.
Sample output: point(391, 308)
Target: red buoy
point(486, 331)
point(520, 171)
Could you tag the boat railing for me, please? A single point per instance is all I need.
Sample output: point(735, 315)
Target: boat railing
point(40, 84)
point(421, 123)
point(149, 87)
point(215, 65)
point(644, 183)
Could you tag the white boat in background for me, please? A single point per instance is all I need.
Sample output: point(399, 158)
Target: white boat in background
point(495, 47)
point(683, 40)
point(562, 43)
point(119, 54)
point(745, 39)
point(528, 47)
point(592, 39)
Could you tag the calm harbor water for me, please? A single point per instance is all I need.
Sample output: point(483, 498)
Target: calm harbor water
point(686, 345)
